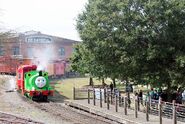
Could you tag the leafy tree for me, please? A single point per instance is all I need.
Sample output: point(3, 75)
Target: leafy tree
point(136, 40)
point(83, 62)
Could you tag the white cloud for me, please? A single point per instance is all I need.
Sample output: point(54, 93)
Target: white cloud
point(55, 17)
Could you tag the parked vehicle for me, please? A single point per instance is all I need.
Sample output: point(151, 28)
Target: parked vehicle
point(56, 69)
point(8, 65)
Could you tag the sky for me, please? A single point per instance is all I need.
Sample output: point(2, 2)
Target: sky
point(52, 17)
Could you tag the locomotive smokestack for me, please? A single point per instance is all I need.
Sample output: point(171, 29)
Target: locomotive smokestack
point(40, 73)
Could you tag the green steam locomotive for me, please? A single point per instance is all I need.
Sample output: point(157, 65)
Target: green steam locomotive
point(33, 83)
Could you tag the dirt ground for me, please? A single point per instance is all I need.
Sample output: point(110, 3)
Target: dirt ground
point(49, 113)
point(11, 102)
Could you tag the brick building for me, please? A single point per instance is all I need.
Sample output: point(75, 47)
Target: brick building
point(36, 45)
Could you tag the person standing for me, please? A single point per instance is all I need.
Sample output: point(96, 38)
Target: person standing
point(111, 87)
point(141, 96)
point(179, 96)
point(151, 93)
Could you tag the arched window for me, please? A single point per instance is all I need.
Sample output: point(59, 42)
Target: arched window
point(62, 51)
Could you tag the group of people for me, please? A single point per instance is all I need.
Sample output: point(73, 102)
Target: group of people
point(178, 96)
point(155, 94)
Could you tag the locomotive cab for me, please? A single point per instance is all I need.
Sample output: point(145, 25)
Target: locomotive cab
point(20, 76)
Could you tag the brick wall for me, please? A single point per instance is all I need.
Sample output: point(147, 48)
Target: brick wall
point(38, 47)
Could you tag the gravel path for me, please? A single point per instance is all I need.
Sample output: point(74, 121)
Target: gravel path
point(48, 113)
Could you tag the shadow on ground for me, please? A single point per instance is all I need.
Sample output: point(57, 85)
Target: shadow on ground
point(57, 97)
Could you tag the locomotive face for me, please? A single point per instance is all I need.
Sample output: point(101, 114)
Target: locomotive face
point(40, 81)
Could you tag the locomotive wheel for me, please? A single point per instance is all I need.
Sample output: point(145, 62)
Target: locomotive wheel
point(18, 91)
point(45, 98)
point(18, 87)
point(34, 98)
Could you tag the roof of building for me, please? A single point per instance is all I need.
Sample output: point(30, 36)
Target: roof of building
point(33, 33)
point(55, 38)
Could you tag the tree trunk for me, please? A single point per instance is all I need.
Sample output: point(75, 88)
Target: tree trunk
point(91, 81)
point(103, 82)
point(114, 82)
point(128, 93)
point(169, 92)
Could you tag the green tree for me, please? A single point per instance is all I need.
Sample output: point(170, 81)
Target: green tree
point(81, 60)
point(136, 40)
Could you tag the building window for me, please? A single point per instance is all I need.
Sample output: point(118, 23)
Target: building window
point(1, 51)
point(15, 50)
point(30, 52)
point(62, 51)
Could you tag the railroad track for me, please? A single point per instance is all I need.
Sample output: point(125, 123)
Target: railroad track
point(6, 118)
point(71, 114)
point(66, 113)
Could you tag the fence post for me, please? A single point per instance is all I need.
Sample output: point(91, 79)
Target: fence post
point(150, 102)
point(125, 105)
point(147, 109)
point(88, 96)
point(139, 101)
point(108, 101)
point(136, 105)
point(105, 91)
point(116, 103)
point(174, 113)
point(94, 97)
point(122, 101)
point(74, 97)
point(160, 111)
point(100, 98)
point(119, 99)
point(111, 99)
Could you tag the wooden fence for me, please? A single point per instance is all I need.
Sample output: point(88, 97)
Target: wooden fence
point(149, 106)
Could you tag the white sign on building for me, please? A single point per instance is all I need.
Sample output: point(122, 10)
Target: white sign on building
point(38, 39)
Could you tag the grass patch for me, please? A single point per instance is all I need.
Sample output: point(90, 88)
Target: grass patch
point(65, 86)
